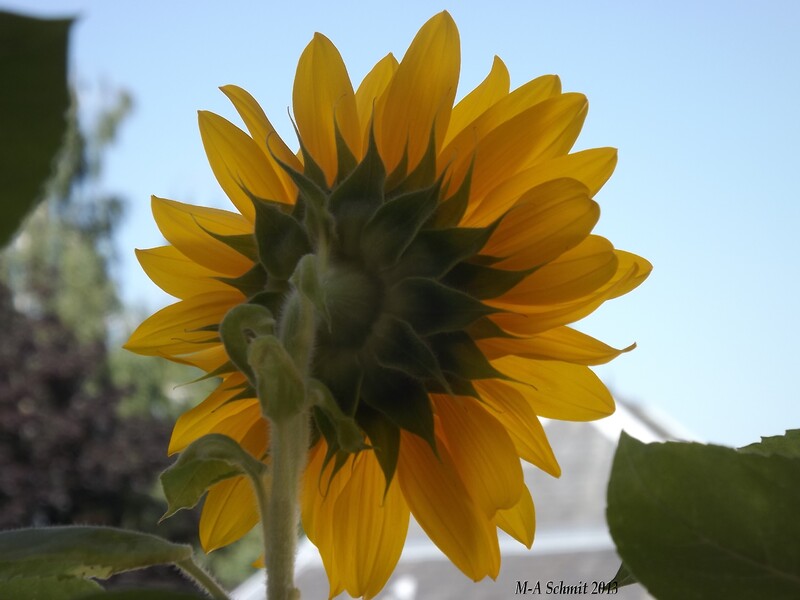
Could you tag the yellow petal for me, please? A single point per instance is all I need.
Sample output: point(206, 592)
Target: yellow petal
point(208, 360)
point(591, 167)
point(204, 417)
point(421, 93)
point(239, 164)
point(546, 222)
point(177, 275)
point(633, 270)
point(562, 343)
point(372, 88)
point(229, 512)
point(441, 505)
point(479, 100)
point(177, 328)
point(186, 227)
point(558, 390)
point(264, 135)
point(369, 528)
point(482, 453)
point(515, 414)
point(322, 92)
point(575, 274)
point(459, 151)
point(546, 130)
point(519, 521)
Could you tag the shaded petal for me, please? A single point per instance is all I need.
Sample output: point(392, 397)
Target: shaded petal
point(421, 93)
point(208, 360)
point(186, 227)
point(239, 164)
point(482, 453)
point(519, 521)
point(547, 221)
point(575, 274)
point(591, 167)
point(562, 343)
point(558, 390)
point(322, 92)
point(370, 527)
point(372, 87)
point(177, 328)
point(514, 412)
point(441, 505)
point(177, 275)
point(479, 100)
point(229, 512)
point(264, 135)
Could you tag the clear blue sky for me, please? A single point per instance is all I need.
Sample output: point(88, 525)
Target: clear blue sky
point(701, 98)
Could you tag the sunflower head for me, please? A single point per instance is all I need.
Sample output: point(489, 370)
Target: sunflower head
point(443, 251)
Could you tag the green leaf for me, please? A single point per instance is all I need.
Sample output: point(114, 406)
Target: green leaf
point(281, 240)
point(34, 103)
point(783, 445)
point(624, 576)
point(49, 588)
point(206, 461)
point(83, 552)
point(697, 521)
point(142, 595)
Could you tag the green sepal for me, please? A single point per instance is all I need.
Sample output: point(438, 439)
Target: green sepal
point(424, 174)
point(50, 588)
point(402, 399)
point(356, 199)
point(624, 576)
point(280, 385)
point(384, 437)
point(83, 551)
point(312, 172)
point(458, 386)
point(451, 210)
point(483, 282)
point(348, 436)
point(250, 283)
point(238, 327)
point(485, 328)
point(324, 423)
point(206, 461)
point(431, 307)
point(340, 370)
point(281, 240)
point(396, 345)
point(346, 160)
point(458, 354)
point(224, 369)
point(435, 251)
point(397, 175)
point(395, 225)
point(243, 243)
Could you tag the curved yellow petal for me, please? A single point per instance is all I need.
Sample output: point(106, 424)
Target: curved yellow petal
point(219, 524)
point(479, 100)
point(562, 343)
point(519, 521)
point(180, 328)
point(187, 228)
point(208, 360)
point(633, 270)
point(265, 136)
point(511, 409)
point(546, 130)
point(482, 452)
point(442, 506)
point(239, 164)
point(323, 92)
point(372, 87)
point(575, 274)
point(177, 275)
point(369, 528)
point(591, 167)
point(420, 97)
point(558, 390)
point(546, 222)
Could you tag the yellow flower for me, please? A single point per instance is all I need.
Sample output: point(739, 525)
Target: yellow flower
point(459, 246)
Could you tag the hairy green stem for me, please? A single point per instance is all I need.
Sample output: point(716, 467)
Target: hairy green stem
point(203, 579)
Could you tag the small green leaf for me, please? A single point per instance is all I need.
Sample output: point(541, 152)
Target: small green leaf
point(783, 445)
point(384, 437)
point(34, 103)
point(83, 552)
point(281, 240)
point(206, 461)
point(458, 354)
point(49, 588)
point(450, 211)
point(624, 576)
point(697, 521)
point(251, 283)
point(483, 282)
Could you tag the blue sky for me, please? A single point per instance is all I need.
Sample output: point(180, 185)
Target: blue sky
point(701, 98)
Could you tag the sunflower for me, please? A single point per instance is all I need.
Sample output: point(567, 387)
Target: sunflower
point(458, 248)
